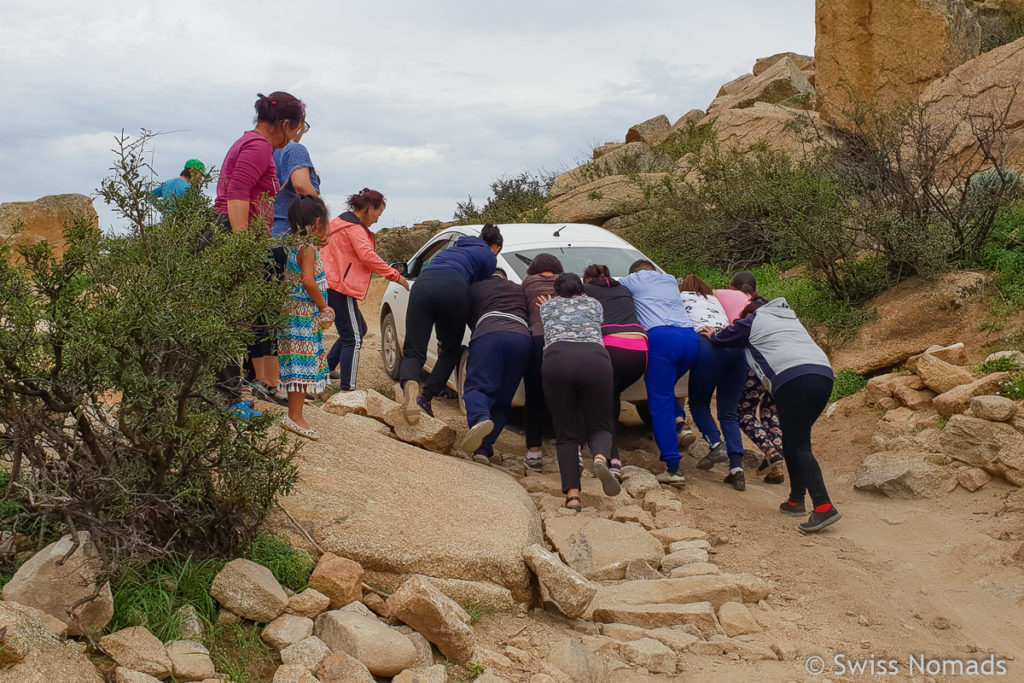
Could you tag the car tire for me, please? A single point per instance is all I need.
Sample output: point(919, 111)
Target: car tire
point(390, 351)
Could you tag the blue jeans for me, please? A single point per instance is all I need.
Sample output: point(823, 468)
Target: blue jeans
point(351, 327)
point(497, 362)
point(671, 352)
point(723, 369)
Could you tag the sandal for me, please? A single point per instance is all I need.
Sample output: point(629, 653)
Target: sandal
point(292, 426)
point(608, 481)
point(573, 499)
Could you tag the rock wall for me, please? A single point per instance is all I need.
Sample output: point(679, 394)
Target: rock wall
point(889, 50)
point(43, 219)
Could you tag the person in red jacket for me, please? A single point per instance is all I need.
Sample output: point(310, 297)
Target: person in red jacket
point(349, 260)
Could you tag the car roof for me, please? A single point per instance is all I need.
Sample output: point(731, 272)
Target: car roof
point(541, 235)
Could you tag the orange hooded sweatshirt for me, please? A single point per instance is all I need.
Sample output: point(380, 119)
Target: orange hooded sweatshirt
point(349, 258)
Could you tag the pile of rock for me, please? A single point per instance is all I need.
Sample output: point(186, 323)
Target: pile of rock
point(369, 409)
point(944, 425)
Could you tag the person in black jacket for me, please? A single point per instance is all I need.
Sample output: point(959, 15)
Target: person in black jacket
point(499, 352)
point(624, 338)
point(439, 300)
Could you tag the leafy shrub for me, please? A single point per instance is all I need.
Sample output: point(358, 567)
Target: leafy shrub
point(514, 199)
point(396, 245)
point(1010, 30)
point(111, 419)
point(847, 383)
point(290, 566)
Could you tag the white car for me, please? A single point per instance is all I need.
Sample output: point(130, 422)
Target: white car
point(576, 245)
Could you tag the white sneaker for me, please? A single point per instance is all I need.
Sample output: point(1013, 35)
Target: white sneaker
point(410, 410)
point(671, 479)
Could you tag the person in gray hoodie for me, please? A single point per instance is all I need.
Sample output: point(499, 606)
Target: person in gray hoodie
point(798, 374)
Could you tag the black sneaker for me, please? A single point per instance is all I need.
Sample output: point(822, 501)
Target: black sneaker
point(263, 392)
point(534, 461)
point(737, 480)
point(819, 520)
point(793, 509)
point(715, 455)
point(772, 469)
point(425, 406)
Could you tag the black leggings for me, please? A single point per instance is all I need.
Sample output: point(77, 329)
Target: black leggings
point(628, 365)
point(578, 386)
point(439, 299)
point(536, 409)
point(800, 402)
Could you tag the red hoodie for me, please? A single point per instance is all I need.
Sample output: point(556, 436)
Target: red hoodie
point(349, 258)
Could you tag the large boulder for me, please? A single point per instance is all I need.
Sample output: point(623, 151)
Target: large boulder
point(940, 376)
point(32, 654)
point(802, 62)
point(652, 131)
point(601, 549)
point(52, 584)
point(995, 408)
point(339, 578)
point(660, 615)
point(984, 86)
point(605, 197)
point(904, 475)
point(995, 447)
point(779, 127)
point(43, 219)
point(781, 82)
point(913, 316)
point(398, 510)
point(582, 665)
point(632, 157)
point(887, 51)
point(706, 588)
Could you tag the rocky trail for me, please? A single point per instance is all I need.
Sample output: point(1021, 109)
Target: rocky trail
point(896, 578)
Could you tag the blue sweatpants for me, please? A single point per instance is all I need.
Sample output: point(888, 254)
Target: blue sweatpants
point(497, 363)
point(671, 352)
point(724, 370)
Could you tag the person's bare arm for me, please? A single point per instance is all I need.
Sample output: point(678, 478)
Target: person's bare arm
point(238, 214)
point(301, 182)
point(307, 261)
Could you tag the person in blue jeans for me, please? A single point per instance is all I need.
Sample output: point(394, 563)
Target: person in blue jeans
point(716, 369)
point(672, 348)
point(499, 352)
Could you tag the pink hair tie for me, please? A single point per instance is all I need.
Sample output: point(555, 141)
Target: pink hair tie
point(273, 101)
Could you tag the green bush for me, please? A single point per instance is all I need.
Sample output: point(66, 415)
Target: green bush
point(290, 566)
point(111, 419)
point(847, 383)
point(1013, 388)
point(514, 199)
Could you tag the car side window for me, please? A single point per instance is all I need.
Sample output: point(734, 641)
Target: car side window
point(441, 243)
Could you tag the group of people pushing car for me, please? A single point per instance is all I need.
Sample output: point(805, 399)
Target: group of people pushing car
point(576, 343)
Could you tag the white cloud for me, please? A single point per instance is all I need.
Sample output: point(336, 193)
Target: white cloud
point(427, 102)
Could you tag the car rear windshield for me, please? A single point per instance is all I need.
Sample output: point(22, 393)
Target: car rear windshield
point(576, 259)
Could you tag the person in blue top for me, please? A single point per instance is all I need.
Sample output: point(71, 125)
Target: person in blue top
point(672, 348)
point(439, 300)
point(193, 172)
point(296, 175)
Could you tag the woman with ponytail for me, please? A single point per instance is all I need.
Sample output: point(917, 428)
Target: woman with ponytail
point(246, 190)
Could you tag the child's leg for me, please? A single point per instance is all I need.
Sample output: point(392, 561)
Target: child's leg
point(296, 401)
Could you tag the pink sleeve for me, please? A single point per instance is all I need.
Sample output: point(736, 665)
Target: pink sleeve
point(363, 247)
point(253, 160)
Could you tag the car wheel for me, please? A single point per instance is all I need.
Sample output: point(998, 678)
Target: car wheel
point(390, 351)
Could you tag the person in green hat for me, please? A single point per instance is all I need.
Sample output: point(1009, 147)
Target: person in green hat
point(194, 171)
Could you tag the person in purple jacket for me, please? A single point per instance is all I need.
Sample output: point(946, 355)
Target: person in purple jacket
point(439, 300)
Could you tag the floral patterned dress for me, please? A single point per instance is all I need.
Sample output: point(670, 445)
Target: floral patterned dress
point(301, 350)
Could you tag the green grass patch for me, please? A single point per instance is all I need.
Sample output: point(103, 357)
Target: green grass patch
point(997, 365)
point(238, 651)
point(477, 611)
point(152, 594)
point(1013, 388)
point(290, 566)
point(847, 383)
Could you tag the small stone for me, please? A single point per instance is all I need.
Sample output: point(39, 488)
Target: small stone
point(424, 650)
point(695, 569)
point(343, 668)
point(339, 578)
point(676, 638)
point(973, 478)
point(249, 590)
point(640, 569)
point(736, 619)
point(123, 675)
point(383, 650)
point(700, 544)
point(580, 664)
point(650, 654)
point(308, 652)
point(683, 557)
point(633, 513)
point(137, 649)
point(995, 408)
point(433, 674)
point(192, 625)
point(293, 673)
point(310, 603)
point(941, 623)
point(863, 620)
point(784, 651)
point(623, 632)
point(190, 661)
point(226, 616)
point(286, 630)
point(443, 621)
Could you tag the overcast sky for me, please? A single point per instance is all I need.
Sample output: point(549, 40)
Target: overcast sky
point(424, 101)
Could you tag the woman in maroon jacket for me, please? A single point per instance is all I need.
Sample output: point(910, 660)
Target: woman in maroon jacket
point(540, 279)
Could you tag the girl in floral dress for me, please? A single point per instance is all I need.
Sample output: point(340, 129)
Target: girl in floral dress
point(301, 349)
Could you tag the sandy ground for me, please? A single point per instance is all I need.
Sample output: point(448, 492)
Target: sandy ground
point(892, 579)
